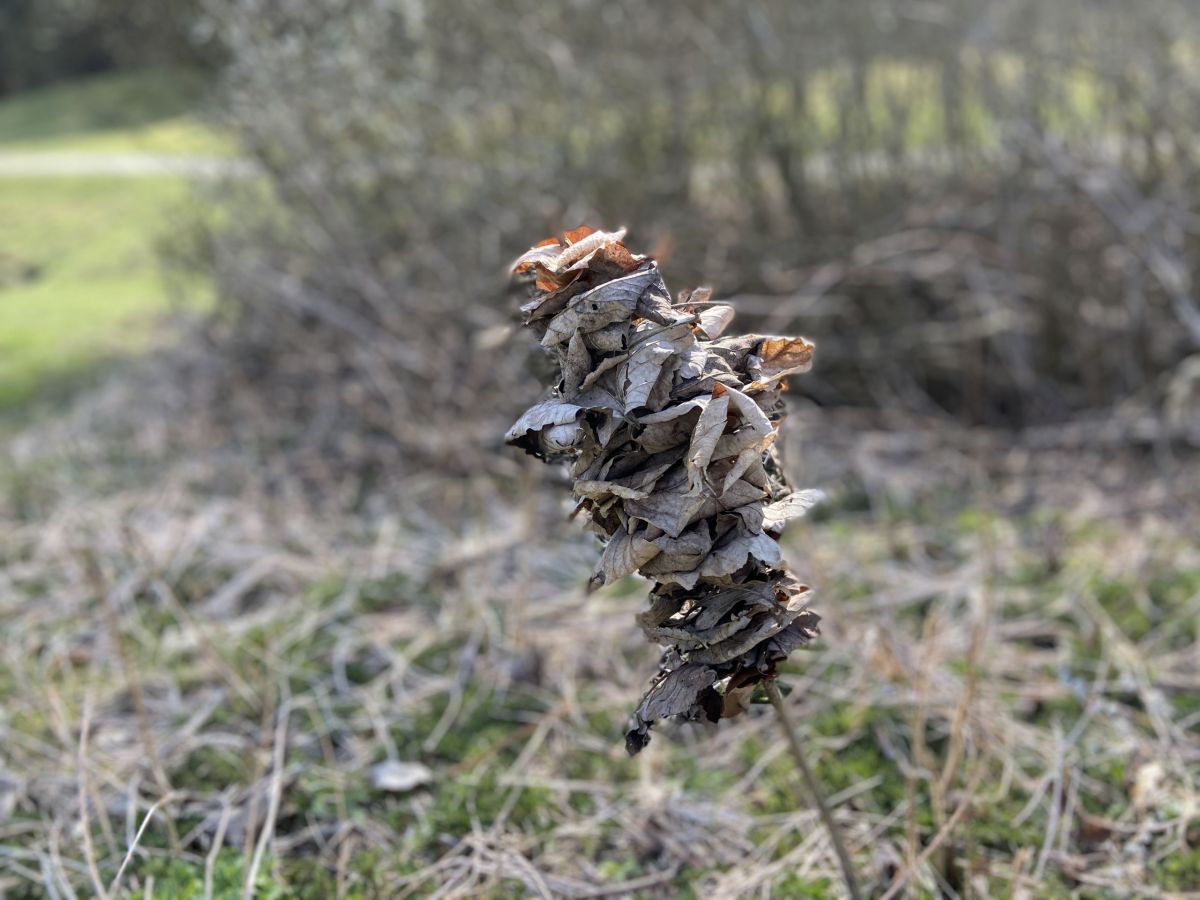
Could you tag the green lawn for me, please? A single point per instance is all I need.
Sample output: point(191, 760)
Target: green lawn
point(80, 278)
point(147, 112)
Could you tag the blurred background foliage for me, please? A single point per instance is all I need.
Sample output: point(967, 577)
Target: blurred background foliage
point(44, 41)
point(925, 188)
point(982, 209)
point(286, 545)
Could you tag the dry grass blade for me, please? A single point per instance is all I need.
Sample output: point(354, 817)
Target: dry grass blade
point(973, 627)
point(137, 839)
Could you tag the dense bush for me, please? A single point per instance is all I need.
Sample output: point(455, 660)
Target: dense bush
point(927, 190)
point(42, 41)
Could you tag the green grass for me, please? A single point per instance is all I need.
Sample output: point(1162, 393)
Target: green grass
point(80, 279)
point(151, 112)
point(79, 276)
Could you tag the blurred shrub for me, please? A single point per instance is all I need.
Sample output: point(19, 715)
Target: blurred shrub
point(48, 40)
point(926, 189)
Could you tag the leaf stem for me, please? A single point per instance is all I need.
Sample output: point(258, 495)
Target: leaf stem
point(814, 790)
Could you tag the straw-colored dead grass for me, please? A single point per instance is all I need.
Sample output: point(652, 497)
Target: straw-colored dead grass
point(201, 666)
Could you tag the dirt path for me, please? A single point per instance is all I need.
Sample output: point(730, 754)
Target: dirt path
point(67, 164)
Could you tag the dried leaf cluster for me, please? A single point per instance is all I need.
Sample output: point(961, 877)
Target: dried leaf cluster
point(670, 430)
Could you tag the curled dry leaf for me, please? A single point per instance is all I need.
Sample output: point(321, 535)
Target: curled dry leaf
point(670, 429)
point(399, 777)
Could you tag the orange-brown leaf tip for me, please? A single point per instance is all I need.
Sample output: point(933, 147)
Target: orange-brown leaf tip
point(576, 235)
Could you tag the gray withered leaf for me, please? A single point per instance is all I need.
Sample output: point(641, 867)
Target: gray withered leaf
point(597, 397)
point(751, 515)
point(576, 364)
point(676, 693)
point(662, 607)
point(672, 426)
point(608, 455)
point(624, 554)
point(655, 302)
point(741, 464)
point(709, 428)
point(760, 627)
point(611, 430)
point(600, 490)
point(738, 494)
point(736, 442)
point(545, 305)
point(670, 507)
point(546, 416)
point(647, 472)
point(793, 506)
point(633, 460)
point(672, 511)
point(691, 364)
point(716, 605)
point(612, 338)
point(606, 304)
point(679, 636)
point(590, 316)
point(733, 351)
point(679, 557)
point(636, 485)
point(673, 412)
point(660, 393)
point(732, 551)
point(688, 637)
point(643, 368)
point(713, 372)
point(714, 320)
point(706, 637)
point(802, 630)
point(751, 413)
point(758, 476)
point(602, 368)
point(665, 435)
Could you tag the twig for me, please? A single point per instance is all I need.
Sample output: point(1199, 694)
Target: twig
point(814, 790)
point(85, 825)
point(112, 623)
point(944, 832)
point(278, 758)
point(210, 861)
point(137, 839)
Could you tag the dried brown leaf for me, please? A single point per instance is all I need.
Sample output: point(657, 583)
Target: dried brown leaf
point(779, 357)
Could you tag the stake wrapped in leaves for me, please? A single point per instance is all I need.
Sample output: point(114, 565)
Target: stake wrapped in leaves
point(670, 431)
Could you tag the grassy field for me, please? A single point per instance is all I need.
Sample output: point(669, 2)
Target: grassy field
point(79, 273)
point(147, 112)
point(1003, 703)
point(79, 270)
